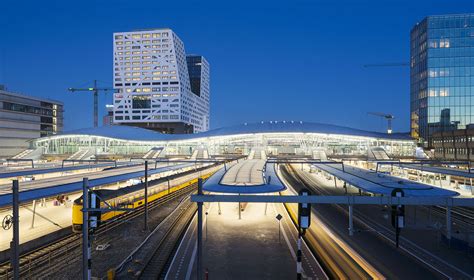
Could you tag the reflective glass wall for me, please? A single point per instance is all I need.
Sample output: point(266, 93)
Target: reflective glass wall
point(442, 74)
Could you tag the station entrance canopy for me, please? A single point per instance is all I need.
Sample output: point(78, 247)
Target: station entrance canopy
point(299, 138)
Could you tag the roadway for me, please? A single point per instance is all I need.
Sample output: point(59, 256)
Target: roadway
point(370, 241)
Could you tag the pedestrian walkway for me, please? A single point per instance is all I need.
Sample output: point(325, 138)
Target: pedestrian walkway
point(48, 218)
point(245, 246)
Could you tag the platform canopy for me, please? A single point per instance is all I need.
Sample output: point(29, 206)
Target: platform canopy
point(76, 185)
point(217, 184)
point(379, 183)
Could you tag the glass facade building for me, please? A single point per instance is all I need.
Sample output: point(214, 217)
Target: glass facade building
point(441, 75)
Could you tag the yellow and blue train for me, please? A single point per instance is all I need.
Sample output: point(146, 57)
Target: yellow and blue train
point(133, 196)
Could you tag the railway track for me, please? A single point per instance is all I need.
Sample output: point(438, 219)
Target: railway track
point(435, 263)
point(51, 256)
point(460, 215)
point(156, 265)
point(335, 260)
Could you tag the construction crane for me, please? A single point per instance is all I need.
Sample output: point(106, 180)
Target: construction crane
point(388, 117)
point(389, 64)
point(95, 90)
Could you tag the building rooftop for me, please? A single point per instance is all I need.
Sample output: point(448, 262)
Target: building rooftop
point(5, 90)
point(141, 134)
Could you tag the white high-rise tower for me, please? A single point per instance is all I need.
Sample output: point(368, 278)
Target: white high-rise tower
point(158, 86)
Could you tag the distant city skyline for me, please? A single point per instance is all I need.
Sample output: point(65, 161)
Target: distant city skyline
point(273, 61)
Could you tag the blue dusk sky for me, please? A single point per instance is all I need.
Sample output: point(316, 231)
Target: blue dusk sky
point(270, 60)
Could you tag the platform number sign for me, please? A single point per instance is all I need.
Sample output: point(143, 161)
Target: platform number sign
point(304, 211)
point(398, 215)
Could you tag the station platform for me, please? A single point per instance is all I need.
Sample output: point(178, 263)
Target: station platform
point(48, 218)
point(245, 248)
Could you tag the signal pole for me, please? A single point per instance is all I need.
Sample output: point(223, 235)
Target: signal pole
point(15, 244)
point(86, 246)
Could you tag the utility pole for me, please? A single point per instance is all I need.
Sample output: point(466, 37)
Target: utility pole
point(95, 91)
point(86, 245)
point(304, 222)
point(199, 270)
point(146, 195)
point(15, 245)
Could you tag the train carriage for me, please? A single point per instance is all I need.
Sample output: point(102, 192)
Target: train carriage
point(133, 196)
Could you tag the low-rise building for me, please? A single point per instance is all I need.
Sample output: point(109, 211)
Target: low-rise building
point(109, 118)
point(24, 117)
point(455, 144)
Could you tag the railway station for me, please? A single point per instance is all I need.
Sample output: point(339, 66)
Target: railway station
point(267, 163)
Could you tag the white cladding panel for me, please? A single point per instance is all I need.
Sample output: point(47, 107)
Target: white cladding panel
point(152, 80)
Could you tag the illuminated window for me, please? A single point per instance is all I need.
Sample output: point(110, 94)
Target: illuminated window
point(136, 36)
point(444, 43)
point(444, 92)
